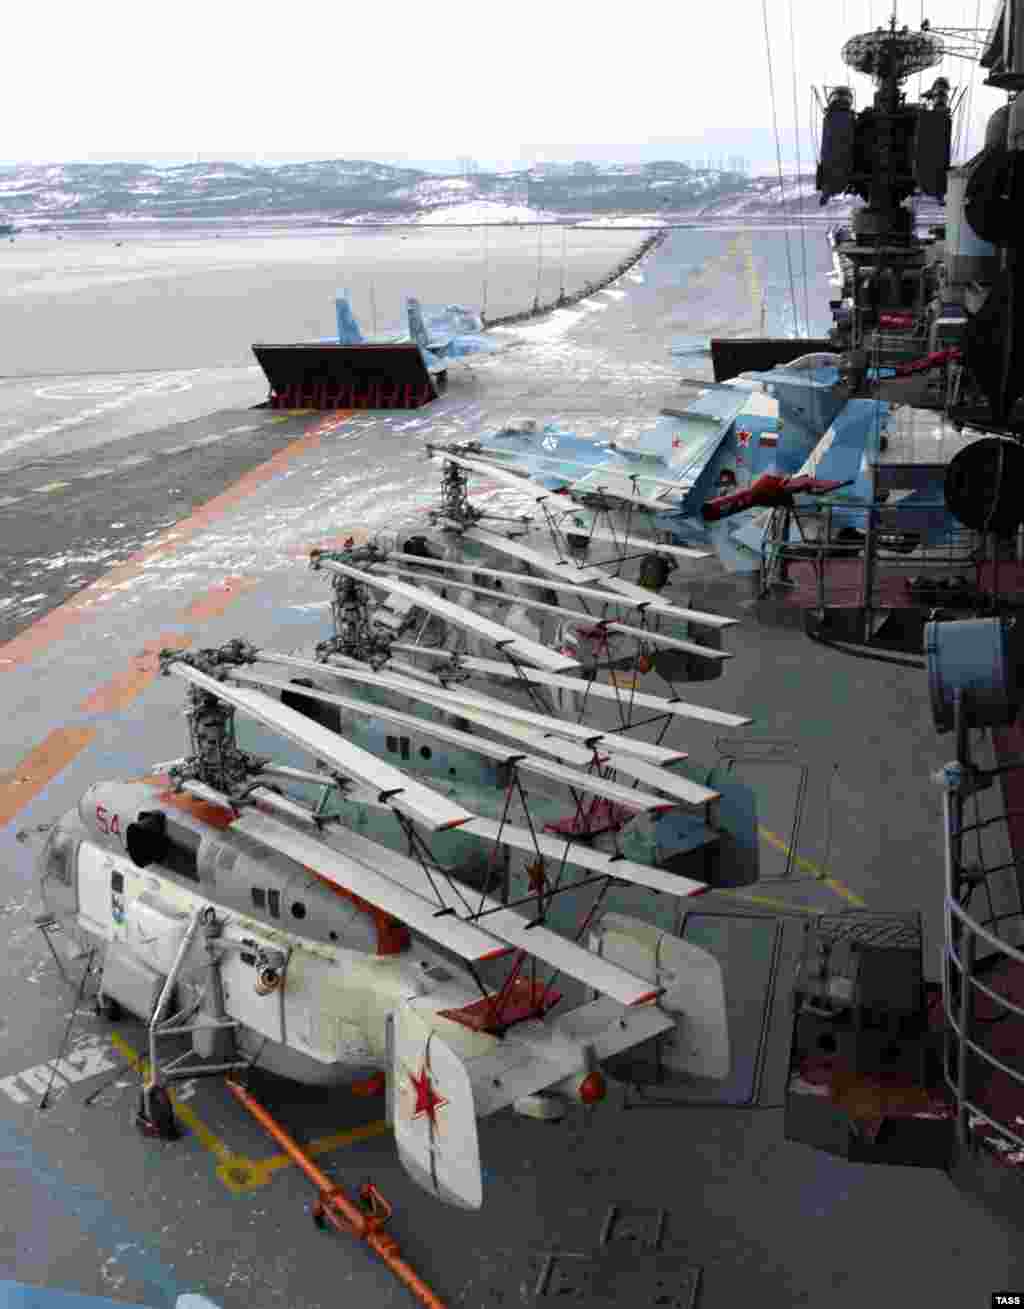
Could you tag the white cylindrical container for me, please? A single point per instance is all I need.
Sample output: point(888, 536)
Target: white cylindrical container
point(968, 257)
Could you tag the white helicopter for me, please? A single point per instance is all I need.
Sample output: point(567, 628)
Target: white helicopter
point(230, 910)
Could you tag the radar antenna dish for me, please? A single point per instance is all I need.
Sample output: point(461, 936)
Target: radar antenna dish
point(882, 53)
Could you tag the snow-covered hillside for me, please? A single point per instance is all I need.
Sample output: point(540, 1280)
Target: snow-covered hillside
point(339, 190)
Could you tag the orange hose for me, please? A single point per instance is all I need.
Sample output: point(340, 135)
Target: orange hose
point(361, 1224)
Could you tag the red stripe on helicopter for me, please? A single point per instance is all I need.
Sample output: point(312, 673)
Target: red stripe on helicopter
point(496, 954)
point(643, 999)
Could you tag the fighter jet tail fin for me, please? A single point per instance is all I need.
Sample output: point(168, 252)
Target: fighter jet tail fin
point(348, 328)
point(417, 327)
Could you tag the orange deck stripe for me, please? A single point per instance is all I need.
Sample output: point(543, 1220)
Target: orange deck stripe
point(212, 603)
point(33, 772)
point(145, 666)
point(358, 535)
point(54, 625)
point(121, 690)
point(39, 767)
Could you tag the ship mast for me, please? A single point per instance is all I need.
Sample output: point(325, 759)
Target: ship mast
point(996, 212)
point(885, 154)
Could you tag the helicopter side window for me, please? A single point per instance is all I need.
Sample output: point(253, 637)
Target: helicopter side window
point(259, 897)
point(404, 743)
point(392, 744)
point(274, 903)
point(327, 715)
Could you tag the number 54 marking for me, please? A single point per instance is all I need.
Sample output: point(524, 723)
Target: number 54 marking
point(109, 824)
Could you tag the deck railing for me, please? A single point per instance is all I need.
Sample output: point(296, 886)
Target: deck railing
point(980, 944)
point(848, 554)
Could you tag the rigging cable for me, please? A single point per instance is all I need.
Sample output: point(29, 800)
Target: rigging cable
point(920, 73)
point(799, 173)
point(970, 87)
point(778, 157)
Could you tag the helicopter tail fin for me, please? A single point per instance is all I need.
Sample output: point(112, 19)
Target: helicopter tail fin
point(693, 994)
point(436, 1090)
point(417, 327)
point(432, 1112)
point(348, 328)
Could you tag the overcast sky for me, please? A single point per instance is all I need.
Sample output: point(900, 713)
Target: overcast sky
point(432, 81)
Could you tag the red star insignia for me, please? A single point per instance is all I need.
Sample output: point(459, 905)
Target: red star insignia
point(427, 1100)
point(743, 436)
point(676, 443)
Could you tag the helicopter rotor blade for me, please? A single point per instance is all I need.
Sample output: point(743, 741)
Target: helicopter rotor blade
point(543, 583)
point(456, 703)
point(486, 460)
point(525, 482)
point(591, 573)
point(521, 647)
point(641, 699)
point(410, 798)
point(515, 930)
point(592, 783)
point(651, 635)
point(402, 898)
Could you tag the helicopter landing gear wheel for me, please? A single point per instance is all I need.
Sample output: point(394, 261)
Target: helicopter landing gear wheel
point(156, 1114)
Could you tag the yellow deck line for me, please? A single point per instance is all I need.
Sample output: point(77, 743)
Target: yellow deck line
point(768, 902)
point(809, 866)
point(239, 1172)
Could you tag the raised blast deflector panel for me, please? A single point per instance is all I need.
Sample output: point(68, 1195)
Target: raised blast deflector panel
point(365, 376)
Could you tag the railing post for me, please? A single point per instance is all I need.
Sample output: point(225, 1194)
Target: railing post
point(968, 946)
point(821, 564)
point(868, 577)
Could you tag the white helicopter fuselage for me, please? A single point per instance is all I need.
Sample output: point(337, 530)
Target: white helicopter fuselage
point(348, 965)
point(317, 985)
